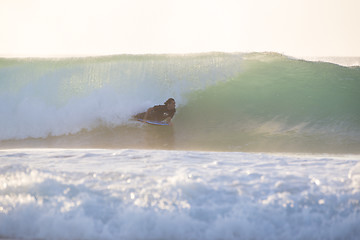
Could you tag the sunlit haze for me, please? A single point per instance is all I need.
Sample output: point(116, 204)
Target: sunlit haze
point(101, 27)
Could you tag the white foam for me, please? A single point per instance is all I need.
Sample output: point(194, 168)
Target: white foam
point(142, 194)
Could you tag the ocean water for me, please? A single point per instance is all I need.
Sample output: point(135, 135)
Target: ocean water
point(225, 102)
point(263, 146)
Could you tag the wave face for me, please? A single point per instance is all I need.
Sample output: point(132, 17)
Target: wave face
point(225, 102)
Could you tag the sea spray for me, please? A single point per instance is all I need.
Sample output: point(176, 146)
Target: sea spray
point(52, 97)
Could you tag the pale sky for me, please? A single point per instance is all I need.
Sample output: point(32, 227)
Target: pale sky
point(102, 27)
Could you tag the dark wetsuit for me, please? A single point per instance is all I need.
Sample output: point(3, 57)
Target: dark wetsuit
point(159, 113)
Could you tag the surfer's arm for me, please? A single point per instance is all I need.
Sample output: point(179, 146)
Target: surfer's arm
point(168, 120)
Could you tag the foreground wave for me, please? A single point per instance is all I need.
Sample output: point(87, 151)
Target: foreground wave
point(226, 102)
point(147, 194)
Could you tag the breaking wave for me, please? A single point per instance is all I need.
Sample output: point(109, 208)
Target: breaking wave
point(225, 102)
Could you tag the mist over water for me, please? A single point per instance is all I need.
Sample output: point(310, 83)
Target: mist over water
point(225, 102)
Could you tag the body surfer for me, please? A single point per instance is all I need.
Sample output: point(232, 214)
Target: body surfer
point(159, 113)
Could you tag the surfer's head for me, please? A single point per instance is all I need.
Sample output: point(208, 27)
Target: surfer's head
point(170, 103)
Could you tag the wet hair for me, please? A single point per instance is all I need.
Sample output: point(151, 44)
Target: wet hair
point(169, 100)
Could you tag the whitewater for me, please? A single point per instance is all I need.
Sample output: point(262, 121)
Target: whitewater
point(262, 146)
